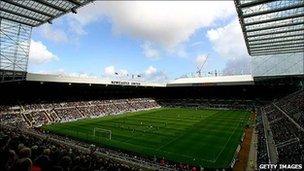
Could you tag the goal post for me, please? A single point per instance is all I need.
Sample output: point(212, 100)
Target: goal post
point(105, 132)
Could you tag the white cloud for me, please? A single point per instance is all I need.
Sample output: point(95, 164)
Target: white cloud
point(52, 33)
point(173, 23)
point(150, 70)
point(178, 51)
point(153, 75)
point(39, 54)
point(88, 14)
point(228, 41)
point(62, 72)
point(164, 23)
point(109, 70)
point(76, 28)
point(79, 74)
point(149, 51)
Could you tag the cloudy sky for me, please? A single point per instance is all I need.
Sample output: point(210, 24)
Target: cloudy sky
point(159, 40)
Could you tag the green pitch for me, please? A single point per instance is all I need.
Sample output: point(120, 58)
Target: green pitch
point(200, 137)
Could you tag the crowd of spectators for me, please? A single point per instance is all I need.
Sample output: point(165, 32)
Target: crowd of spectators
point(37, 114)
point(20, 151)
point(293, 105)
point(208, 103)
point(262, 155)
point(33, 149)
point(273, 114)
point(287, 132)
point(283, 130)
point(291, 153)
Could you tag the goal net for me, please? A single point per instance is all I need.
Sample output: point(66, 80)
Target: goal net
point(99, 132)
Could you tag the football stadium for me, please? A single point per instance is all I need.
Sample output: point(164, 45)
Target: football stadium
point(247, 121)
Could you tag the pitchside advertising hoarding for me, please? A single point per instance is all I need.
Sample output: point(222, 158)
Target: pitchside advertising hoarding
point(280, 166)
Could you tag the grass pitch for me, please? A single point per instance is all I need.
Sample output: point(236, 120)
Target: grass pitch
point(200, 137)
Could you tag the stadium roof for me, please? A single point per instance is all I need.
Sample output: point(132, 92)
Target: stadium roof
point(272, 26)
point(86, 80)
point(213, 81)
point(36, 12)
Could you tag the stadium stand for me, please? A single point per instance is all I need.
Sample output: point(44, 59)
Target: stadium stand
point(284, 116)
point(21, 151)
point(208, 103)
point(293, 105)
point(262, 154)
point(37, 114)
point(287, 136)
point(35, 107)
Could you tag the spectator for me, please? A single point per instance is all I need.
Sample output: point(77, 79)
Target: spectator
point(43, 161)
point(24, 163)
